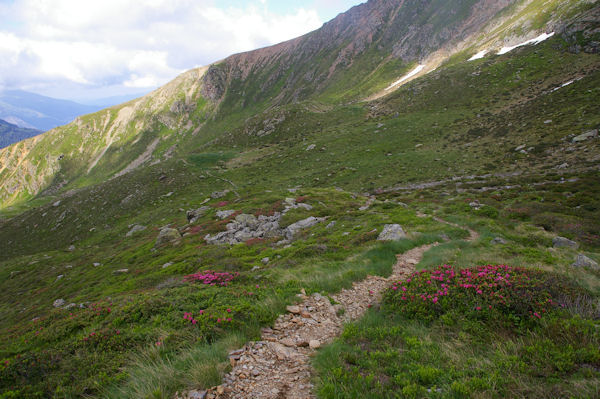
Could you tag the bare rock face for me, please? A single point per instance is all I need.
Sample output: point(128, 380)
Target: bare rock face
point(392, 232)
point(214, 83)
point(168, 236)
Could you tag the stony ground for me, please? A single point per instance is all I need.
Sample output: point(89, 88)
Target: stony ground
point(278, 366)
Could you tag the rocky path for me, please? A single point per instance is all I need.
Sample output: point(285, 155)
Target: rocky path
point(278, 366)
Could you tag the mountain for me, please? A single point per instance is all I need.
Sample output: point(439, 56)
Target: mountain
point(40, 112)
point(210, 235)
point(10, 133)
point(354, 57)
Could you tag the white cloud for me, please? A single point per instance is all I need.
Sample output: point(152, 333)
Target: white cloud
point(129, 43)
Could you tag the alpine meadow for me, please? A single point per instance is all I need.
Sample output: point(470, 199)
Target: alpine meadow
point(404, 203)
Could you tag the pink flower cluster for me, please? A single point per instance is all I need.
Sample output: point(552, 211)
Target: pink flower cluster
point(209, 277)
point(515, 290)
point(190, 317)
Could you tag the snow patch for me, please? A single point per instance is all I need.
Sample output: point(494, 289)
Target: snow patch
point(479, 55)
point(565, 84)
point(412, 73)
point(537, 40)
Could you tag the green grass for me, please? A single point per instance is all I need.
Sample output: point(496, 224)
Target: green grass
point(462, 121)
point(393, 352)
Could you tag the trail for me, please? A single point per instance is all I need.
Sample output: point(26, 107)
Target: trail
point(279, 365)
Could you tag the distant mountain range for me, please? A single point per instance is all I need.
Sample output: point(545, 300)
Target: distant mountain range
point(10, 133)
point(34, 111)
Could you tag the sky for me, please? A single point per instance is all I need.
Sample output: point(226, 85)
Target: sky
point(90, 49)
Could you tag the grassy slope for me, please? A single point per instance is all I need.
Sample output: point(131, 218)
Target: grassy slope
point(501, 102)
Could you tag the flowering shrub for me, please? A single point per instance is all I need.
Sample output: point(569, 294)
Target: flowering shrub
point(485, 292)
point(209, 277)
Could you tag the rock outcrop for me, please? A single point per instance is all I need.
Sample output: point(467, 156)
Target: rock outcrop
point(562, 242)
point(392, 232)
point(168, 236)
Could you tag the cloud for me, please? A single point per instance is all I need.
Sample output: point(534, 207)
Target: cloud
point(132, 44)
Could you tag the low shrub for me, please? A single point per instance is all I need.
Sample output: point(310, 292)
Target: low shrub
point(512, 294)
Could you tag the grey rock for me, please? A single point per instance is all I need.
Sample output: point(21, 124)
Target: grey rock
point(194, 214)
point(314, 344)
point(294, 228)
point(584, 261)
point(499, 240)
point(305, 206)
point(60, 277)
point(265, 260)
point(96, 264)
point(121, 271)
point(225, 214)
point(392, 232)
point(311, 147)
point(247, 220)
point(196, 395)
point(562, 242)
point(70, 306)
point(58, 303)
point(585, 136)
point(57, 203)
point(219, 194)
point(475, 205)
point(168, 236)
point(167, 265)
point(135, 229)
point(71, 248)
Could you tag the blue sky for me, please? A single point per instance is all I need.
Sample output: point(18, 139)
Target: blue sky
point(88, 49)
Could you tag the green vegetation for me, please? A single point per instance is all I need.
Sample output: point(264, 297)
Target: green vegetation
point(486, 145)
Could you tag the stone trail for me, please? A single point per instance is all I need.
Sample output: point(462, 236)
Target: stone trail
point(279, 366)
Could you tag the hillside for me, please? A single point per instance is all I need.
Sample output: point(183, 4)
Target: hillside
point(334, 65)
point(10, 133)
point(251, 228)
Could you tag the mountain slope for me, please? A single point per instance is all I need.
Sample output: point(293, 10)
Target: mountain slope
point(279, 199)
point(357, 54)
point(10, 133)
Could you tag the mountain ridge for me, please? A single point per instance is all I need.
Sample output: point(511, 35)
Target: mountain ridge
point(334, 64)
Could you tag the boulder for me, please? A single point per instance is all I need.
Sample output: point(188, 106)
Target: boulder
point(121, 271)
point(498, 240)
point(392, 232)
point(135, 229)
point(585, 136)
point(294, 228)
point(562, 242)
point(168, 236)
point(225, 214)
point(58, 303)
point(584, 261)
point(194, 214)
point(219, 194)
